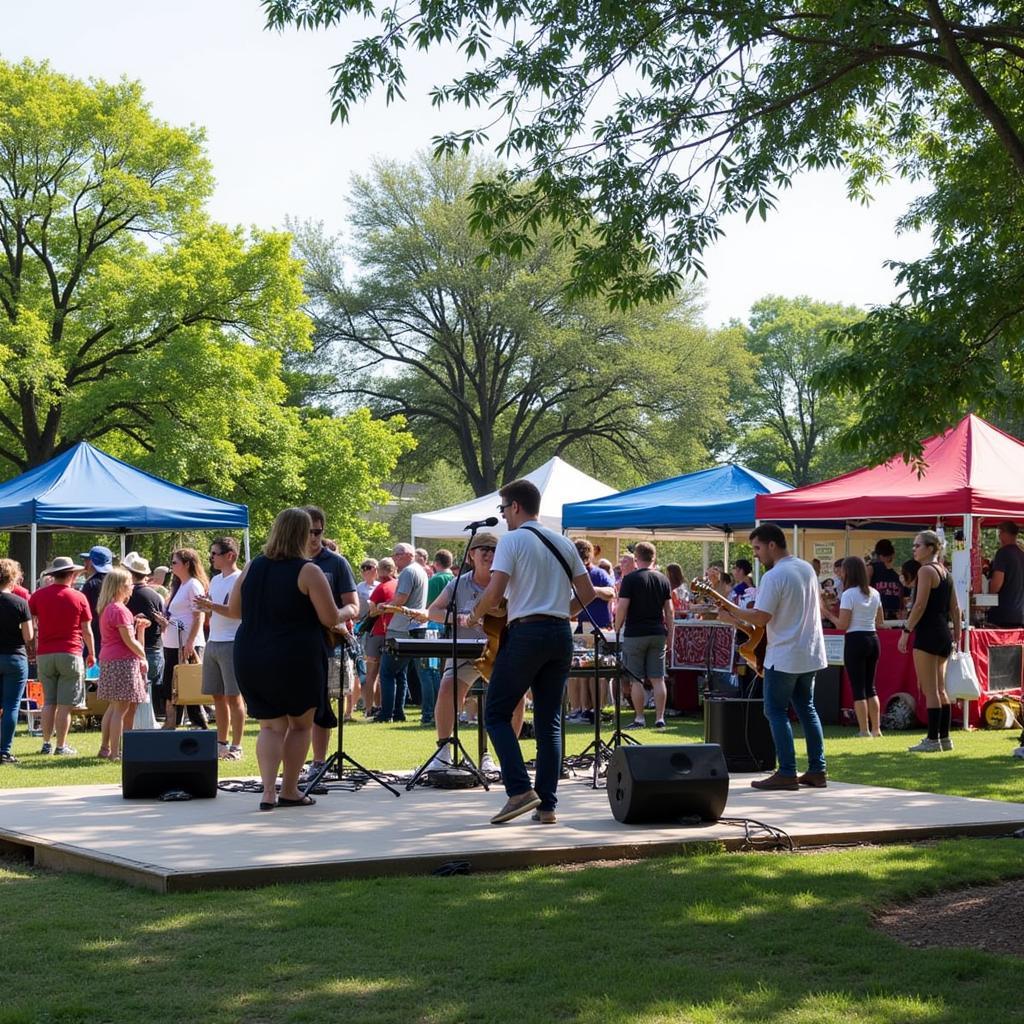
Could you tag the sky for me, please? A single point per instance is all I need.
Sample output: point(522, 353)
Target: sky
point(262, 98)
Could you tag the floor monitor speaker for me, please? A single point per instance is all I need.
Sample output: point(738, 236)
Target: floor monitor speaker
point(155, 761)
point(648, 784)
point(738, 726)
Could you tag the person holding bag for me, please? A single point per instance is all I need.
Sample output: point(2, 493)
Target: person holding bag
point(183, 634)
point(935, 607)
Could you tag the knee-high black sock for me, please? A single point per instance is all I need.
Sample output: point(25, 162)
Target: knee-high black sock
point(945, 719)
point(934, 718)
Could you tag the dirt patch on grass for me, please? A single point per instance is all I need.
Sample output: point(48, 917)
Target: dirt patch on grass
point(986, 918)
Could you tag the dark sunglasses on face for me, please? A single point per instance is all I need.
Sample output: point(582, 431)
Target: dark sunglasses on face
point(316, 533)
point(491, 550)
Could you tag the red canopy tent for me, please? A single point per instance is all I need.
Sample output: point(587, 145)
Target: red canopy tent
point(973, 476)
point(974, 469)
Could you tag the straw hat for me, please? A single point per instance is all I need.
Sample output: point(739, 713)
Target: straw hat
point(134, 562)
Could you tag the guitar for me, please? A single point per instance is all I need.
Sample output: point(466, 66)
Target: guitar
point(752, 649)
point(493, 627)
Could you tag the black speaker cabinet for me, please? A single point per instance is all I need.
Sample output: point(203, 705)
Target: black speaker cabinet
point(157, 760)
point(657, 783)
point(738, 726)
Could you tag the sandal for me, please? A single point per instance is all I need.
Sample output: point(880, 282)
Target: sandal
point(306, 801)
point(104, 753)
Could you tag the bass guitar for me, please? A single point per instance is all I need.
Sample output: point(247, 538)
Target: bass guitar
point(752, 649)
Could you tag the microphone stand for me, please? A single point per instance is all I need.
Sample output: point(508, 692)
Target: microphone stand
point(460, 756)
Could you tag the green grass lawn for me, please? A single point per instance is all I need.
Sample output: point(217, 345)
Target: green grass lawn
point(713, 938)
point(709, 938)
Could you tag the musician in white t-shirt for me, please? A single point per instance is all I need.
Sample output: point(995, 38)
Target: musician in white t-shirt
point(537, 652)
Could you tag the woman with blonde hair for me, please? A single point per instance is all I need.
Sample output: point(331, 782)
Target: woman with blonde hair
point(935, 607)
point(284, 601)
point(183, 633)
point(122, 660)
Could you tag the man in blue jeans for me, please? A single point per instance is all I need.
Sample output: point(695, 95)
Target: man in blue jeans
point(537, 652)
point(787, 606)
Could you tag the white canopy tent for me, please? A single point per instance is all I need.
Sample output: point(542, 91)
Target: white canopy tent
point(557, 481)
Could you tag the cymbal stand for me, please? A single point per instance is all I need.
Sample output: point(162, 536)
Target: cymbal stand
point(602, 751)
point(619, 736)
point(460, 755)
point(339, 758)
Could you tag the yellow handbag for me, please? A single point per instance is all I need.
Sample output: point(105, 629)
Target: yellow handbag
point(187, 684)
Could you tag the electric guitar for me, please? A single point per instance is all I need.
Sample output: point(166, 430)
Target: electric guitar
point(752, 649)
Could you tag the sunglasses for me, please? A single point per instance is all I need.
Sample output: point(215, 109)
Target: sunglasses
point(216, 554)
point(316, 533)
point(480, 547)
point(501, 508)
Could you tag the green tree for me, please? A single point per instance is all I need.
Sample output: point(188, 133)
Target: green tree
point(789, 425)
point(639, 127)
point(130, 319)
point(490, 360)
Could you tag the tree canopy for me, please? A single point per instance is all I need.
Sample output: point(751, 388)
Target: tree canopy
point(637, 128)
point(492, 362)
point(130, 319)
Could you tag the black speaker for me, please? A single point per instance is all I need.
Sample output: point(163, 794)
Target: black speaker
point(666, 783)
point(738, 726)
point(155, 761)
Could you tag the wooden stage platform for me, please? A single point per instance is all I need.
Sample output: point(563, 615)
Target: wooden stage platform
point(228, 842)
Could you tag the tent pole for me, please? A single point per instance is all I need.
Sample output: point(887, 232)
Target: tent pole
point(245, 544)
point(123, 538)
point(757, 564)
point(725, 555)
point(965, 613)
point(32, 560)
point(704, 556)
point(796, 541)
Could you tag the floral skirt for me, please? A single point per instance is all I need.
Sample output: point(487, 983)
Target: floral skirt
point(122, 680)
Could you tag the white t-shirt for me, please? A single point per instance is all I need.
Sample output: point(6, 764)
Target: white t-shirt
point(181, 609)
point(223, 629)
point(413, 583)
point(864, 608)
point(789, 593)
point(363, 592)
point(537, 582)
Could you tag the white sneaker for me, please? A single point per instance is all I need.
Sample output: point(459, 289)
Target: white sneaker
point(487, 764)
point(441, 760)
point(926, 746)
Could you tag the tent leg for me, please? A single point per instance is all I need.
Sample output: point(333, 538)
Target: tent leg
point(34, 575)
point(704, 556)
point(757, 564)
point(725, 555)
point(796, 541)
point(123, 539)
point(245, 544)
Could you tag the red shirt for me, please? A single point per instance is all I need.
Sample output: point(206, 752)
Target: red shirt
point(20, 591)
point(61, 610)
point(383, 594)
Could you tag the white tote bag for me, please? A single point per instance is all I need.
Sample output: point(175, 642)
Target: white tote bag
point(961, 677)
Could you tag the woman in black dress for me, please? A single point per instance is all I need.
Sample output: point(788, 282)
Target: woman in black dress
point(280, 651)
point(935, 608)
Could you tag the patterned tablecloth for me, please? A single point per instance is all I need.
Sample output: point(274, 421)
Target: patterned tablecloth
point(690, 645)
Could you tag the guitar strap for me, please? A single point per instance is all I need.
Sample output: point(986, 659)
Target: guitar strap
point(568, 571)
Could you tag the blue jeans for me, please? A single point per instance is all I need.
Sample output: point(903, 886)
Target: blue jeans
point(780, 690)
point(537, 656)
point(155, 670)
point(13, 676)
point(394, 684)
point(430, 681)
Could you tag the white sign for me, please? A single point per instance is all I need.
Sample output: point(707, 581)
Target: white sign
point(824, 551)
point(834, 649)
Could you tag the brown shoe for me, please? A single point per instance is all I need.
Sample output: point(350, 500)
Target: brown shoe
point(544, 817)
point(776, 781)
point(522, 803)
point(815, 780)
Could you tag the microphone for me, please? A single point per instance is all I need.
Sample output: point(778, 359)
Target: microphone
point(489, 521)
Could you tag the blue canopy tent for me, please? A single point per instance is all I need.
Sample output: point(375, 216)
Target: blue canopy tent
point(706, 505)
point(87, 490)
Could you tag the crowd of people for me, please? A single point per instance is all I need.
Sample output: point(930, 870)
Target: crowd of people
point(264, 634)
